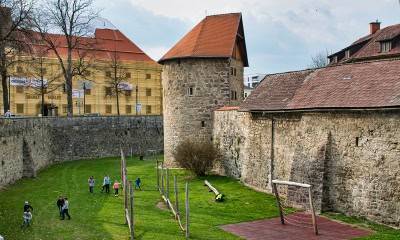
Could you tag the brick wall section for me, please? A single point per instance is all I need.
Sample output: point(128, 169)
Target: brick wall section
point(351, 159)
point(30, 144)
point(212, 84)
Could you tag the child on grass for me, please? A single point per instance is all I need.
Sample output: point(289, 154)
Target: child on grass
point(116, 187)
point(137, 183)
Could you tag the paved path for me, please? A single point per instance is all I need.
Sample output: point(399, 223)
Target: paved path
point(273, 229)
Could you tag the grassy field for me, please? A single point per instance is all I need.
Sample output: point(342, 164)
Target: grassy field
point(101, 216)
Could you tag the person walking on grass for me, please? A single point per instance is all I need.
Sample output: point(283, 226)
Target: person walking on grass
point(91, 184)
point(60, 204)
point(106, 184)
point(27, 218)
point(116, 187)
point(137, 183)
point(65, 210)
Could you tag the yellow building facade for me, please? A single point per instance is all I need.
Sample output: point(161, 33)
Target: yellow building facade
point(140, 92)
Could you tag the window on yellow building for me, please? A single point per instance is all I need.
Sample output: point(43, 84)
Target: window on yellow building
point(20, 108)
point(108, 108)
point(128, 93)
point(88, 91)
point(148, 76)
point(20, 69)
point(20, 89)
point(148, 109)
point(108, 91)
point(108, 74)
point(128, 75)
point(65, 108)
point(86, 73)
point(88, 108)
point(148, 92)
point(128, 109)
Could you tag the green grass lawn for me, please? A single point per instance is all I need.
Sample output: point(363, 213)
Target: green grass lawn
point(101, 216)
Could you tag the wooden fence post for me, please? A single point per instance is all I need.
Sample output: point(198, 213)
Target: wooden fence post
point(162, 178)
point(158, 178)
point(176, 196)
point(167, 186)
point(187, 210)
point(131, 227)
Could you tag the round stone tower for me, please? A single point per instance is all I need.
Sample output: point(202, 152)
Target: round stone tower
point(202, 72)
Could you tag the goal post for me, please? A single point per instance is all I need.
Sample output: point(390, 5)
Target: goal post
point(296, 192)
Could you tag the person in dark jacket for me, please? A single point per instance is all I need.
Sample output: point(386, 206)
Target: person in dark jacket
point(60, 204)
point(27, 206)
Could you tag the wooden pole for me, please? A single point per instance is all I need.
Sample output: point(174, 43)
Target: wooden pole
point(187, 210)
point(176, 195)
point(131, 227)
point(278, 202)
point(158, 178)
point(314, 219)
point(162, 178)
point(167, 182)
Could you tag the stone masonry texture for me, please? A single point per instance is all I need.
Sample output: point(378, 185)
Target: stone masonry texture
point(351, 159)
point(191, 117)
point(30, 144)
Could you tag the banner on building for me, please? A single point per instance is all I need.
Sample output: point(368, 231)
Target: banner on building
point(85, 84)
point(125, 86)
point(27, 82)
point(77, 93)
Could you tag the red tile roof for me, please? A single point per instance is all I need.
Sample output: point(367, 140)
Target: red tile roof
point(214, 36)
point(369, 46)
point(363, 85)
point(106, 42)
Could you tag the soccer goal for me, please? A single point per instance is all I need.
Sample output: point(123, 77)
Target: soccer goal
point(298, 197)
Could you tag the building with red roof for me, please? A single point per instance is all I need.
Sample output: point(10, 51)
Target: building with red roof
point(202, 72)
point(378, 44)
point(336, 128)
point(94, 89)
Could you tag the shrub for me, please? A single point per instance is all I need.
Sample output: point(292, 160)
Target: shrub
point(197, 157)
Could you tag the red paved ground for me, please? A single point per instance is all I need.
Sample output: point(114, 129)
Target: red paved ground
point(273, 229)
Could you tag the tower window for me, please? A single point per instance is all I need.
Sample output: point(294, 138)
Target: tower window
point(203, 124)
point(190, 91)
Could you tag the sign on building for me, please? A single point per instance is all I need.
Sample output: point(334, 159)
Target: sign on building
point(77, 93)
point(27, 82)
point(85, 84)
point(125, 86)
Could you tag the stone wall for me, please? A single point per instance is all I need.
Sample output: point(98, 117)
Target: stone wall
point(191, 116)
point(30, 144)
point(351, 159)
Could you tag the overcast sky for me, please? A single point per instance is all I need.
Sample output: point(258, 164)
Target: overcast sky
point(281, 35)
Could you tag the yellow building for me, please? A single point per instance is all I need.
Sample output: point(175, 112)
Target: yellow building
point(140, 90)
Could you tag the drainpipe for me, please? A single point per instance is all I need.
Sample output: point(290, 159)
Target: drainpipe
point(271, 167)
point(272, 153)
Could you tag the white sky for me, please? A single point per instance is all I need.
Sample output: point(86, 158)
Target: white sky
point(281, 35)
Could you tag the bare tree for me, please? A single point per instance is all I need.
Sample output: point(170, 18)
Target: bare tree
point(319, 59)
point(48, 79)
point(116, 74)
point(15, 21)
point(72, 18)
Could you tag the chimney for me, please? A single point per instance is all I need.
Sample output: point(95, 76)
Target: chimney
point(374, 26)
point(5, 21)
